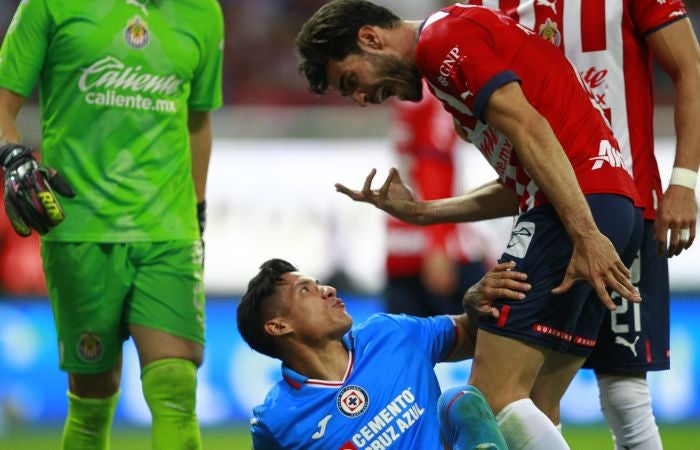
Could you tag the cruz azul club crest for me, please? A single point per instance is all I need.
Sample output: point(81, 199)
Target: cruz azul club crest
point(352, 401)
point(136, 33)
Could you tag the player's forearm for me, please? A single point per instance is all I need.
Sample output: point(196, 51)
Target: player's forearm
point(8, 130)
point(10, 105)
point(676, 49)
point(466, 339)
point(200, 143)
point(686, 113)
point(544, 158)
point(489, 201)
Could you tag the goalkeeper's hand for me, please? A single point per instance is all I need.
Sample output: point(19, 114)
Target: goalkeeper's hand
point(30, 199)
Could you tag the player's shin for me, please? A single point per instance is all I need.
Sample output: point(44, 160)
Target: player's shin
point(169, 386)
point(467, 422)
point(527, 428)
point(88, 423)
point(626, 405)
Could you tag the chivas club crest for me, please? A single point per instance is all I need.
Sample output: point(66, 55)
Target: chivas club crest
point(550, 32)
point(90, 347)
point(136, 33)
point(352, 401)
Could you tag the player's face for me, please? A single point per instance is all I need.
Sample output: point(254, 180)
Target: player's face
point(313, 309)
point(370, 78)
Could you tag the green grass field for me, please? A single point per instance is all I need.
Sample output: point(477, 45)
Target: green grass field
point(676, 437)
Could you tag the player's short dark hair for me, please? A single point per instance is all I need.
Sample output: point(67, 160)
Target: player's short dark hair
point(331, 34)
point(256, 306)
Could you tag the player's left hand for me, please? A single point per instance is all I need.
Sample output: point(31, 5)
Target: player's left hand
point(394, 197)
point(499, 282)
point(676, 216)
point(597, 262)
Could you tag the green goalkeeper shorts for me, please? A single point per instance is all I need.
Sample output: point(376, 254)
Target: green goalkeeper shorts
point(97, 290)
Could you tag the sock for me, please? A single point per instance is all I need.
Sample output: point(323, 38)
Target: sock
point(467, 422)
point(525, 427)
point(558, 427)
point(626, 405)
point(169, 386)
point(88, 422)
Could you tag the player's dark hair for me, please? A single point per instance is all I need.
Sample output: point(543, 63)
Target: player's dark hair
point(331, 34)
point(256, 308)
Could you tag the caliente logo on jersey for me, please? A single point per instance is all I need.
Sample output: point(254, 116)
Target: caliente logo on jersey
point(136, 33)
point(352, 401)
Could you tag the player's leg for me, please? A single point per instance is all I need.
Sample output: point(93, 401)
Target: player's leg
point(626, 406)
point(634, 339)
point(505, 369)
point(552, 381)
point(87, 300)
point(166, 320)
point(467, 422)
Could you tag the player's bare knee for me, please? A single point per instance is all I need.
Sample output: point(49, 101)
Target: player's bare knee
point(99, 385)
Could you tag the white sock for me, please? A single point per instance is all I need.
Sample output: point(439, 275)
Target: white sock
point(525, 427)
point(626, 405)
point(559, 427)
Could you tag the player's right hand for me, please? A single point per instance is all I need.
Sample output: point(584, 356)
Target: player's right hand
point(394, 197)
point(501, 282)
point(30, 199)
point(597, 262)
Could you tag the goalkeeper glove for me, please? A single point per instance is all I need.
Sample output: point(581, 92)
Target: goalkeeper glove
point(30, 200)
point(202, 216)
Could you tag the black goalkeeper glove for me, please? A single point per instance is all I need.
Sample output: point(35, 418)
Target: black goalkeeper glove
point(202, 216)
point(30, 200)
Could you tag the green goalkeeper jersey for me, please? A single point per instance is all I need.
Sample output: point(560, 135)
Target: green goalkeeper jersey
point(116, 80)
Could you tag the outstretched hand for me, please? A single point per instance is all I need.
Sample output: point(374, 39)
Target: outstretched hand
point(598, 263)
point(394, 197)
point(499, 282)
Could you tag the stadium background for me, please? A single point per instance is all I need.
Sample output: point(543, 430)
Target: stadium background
point(277, 153)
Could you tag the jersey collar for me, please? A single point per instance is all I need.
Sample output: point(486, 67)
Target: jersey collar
point(297, 380)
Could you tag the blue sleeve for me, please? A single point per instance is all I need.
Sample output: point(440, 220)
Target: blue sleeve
point(436, 336)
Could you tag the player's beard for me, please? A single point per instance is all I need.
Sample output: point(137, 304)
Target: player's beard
point(404, 78)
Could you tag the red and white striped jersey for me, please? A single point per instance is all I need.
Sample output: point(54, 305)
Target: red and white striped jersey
point(606, 42)
point(467, 52)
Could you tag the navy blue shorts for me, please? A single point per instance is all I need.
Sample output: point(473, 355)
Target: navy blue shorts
point(540, 246)
point(635, 337)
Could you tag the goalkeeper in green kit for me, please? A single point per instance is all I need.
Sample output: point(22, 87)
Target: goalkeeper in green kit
point(125, 90)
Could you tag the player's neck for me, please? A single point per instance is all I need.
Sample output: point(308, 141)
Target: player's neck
point(328, 361)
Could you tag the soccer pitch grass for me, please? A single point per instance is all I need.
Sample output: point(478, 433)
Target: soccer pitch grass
point(676, 437)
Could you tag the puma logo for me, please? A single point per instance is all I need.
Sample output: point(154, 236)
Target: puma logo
point(552, 4)
point(321, 427)
point(631, 345)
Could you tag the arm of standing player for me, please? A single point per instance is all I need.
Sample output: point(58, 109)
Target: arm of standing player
point(501, 282)
point(675, 47)
point(199, 126)
point(10, 104)
point(489, 201)
point(594, 257)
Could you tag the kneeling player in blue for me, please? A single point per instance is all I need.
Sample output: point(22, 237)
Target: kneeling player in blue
point(372, 386)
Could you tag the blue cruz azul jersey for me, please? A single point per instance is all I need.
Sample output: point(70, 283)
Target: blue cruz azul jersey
point(388, 397)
